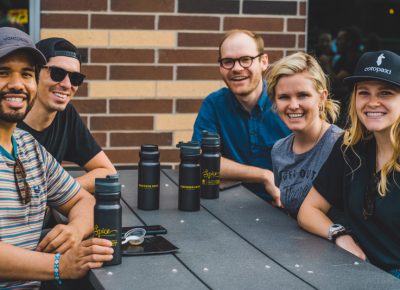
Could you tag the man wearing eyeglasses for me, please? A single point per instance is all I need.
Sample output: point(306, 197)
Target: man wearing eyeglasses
point(30, 179)
point(54, 122)
point(241, 114)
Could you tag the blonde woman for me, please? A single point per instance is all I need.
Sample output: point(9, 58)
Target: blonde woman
point(298, 89)
point(361, 176)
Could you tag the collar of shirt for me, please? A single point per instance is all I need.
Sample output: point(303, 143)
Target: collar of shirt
point(6, 153)
point(262, 104)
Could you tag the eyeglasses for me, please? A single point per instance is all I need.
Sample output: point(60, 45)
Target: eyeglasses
point(369, 197)
point(24, 190)
point(244, 61)
point(57, 74)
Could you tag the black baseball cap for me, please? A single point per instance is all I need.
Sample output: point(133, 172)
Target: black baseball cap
point(56, 46)
point(12, 39)
point(381, 65)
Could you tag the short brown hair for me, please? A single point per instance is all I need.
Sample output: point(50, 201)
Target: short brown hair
point(256, 37)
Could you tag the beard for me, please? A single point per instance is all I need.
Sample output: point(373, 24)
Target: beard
point(13, 116)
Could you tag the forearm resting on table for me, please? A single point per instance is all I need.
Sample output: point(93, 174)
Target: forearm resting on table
point(233, 170)
point(312, 214)
point(312, 217)
point(97, 167)
point(21, 264)
point(87, 181)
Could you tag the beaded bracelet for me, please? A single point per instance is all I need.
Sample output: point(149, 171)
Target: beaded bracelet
point(56, 268)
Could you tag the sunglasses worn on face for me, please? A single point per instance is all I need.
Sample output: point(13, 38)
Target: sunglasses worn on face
point(58, 74)
point(24, 190)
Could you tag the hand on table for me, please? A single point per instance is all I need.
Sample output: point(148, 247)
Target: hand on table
point(274, 192)
point(346, 242)
point(60, 239)
point(88, 254)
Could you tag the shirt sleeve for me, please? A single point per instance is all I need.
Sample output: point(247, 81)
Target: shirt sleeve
point(206, 120)
point(61, 187)
point(330, 179)
point(275, 169)
point(83, 147)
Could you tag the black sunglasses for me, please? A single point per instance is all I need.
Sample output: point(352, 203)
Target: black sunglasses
point(369, 196)
point(57, 74)
point(23, 189)
point(244, 61)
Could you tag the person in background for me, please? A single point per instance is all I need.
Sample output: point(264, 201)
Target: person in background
point(241, 114)
point(362, 174)
point(348, 44)
point(53, 120)
point(31, 180)
point(298, 89)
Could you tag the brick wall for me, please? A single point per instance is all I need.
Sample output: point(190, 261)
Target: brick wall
point(151, 62)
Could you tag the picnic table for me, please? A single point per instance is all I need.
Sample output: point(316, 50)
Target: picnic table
point(235, 242)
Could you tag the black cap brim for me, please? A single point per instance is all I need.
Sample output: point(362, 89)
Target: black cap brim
point(355, 79)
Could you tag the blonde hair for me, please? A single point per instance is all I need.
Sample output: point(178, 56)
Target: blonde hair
point(300, 62)
point(357, 132)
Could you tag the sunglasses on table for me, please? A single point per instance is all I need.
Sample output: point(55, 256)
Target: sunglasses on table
point(24, 191)
point(58, 74)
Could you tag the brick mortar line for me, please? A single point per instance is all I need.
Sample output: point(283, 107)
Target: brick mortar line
point(132, 13)
point(162, 30)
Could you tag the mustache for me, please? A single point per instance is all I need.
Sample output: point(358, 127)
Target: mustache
point(14, 91)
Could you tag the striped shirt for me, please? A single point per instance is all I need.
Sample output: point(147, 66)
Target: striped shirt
point(20, 224)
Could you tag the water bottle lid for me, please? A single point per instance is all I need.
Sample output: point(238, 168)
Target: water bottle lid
point(210, 138)
point(189, 148)
point(148, 148)
point(149, 152)
point(108, 185)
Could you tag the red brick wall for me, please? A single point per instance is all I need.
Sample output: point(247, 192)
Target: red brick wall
point(151, 62)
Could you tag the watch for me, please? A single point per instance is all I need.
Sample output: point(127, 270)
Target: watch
point(335, 231)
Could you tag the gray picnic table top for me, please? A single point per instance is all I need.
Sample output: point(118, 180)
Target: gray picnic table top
point(235, 242)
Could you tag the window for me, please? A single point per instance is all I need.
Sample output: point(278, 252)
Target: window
point(21, 14)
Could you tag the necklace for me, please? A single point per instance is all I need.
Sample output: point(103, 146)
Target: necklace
point(302, 148)
point(321, 131)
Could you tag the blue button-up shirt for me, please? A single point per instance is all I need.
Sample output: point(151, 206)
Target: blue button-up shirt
point(246, 138)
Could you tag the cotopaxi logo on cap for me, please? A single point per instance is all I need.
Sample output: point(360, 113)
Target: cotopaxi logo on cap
point(379, 60)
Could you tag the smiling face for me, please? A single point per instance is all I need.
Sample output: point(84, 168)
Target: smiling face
point(377, 105)
point(17, 86)
point(243, 82)
point(298, 102)
point(52, 95)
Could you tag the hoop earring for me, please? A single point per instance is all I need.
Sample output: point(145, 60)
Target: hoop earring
point(321, 109)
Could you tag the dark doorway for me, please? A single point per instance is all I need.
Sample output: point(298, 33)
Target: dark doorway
point(378, 21)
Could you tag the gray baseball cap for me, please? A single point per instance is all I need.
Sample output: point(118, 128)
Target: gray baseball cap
point(12, 39)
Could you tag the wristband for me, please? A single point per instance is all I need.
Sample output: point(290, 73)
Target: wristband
point(338, 234)
point(56, 268)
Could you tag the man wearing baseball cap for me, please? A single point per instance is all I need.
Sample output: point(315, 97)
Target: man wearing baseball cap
point(31, 179)
point(54, 122)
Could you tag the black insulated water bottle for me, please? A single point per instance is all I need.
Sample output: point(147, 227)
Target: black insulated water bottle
point(210, 165)
point(149, 178)
point(108, 214)
point(189, 176)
